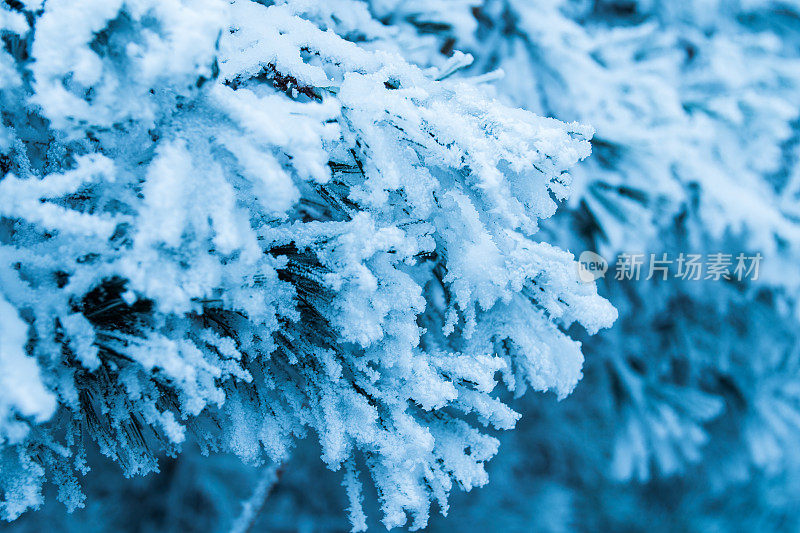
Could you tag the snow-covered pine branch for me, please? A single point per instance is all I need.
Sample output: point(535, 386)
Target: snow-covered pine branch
point(233, 224)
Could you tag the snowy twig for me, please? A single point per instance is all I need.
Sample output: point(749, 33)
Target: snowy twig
point(252, 506)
